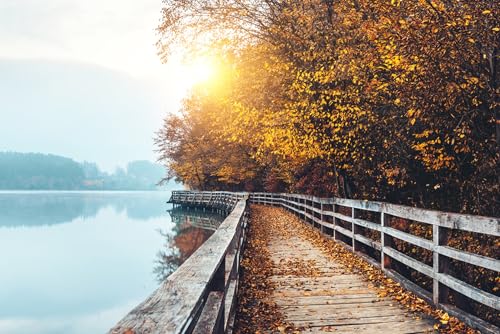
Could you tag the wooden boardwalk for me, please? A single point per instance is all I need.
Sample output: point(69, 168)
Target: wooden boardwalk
point(329, 298)
point(317, 286)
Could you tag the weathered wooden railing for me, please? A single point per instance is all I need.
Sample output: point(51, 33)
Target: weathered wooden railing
point(330, 216)
point(197, 218)
point(199, 297)
point(213, 199)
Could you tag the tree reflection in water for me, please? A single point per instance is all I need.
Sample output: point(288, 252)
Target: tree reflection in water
point(191, 229)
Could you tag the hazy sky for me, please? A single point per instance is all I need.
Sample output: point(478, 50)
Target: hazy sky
point(82, 79)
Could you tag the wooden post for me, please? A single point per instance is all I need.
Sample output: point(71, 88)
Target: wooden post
point(386, 241)
point(334, 221)
point(321, 217)
point(440, 264)
point(354, 229)
point(298, 207)
point(304, 210)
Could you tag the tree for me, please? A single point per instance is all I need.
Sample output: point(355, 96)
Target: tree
point(383, 100)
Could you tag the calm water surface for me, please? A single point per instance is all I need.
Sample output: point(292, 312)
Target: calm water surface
point(77, 262)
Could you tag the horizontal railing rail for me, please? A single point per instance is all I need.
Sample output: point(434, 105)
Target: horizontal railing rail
point(325, 214)
point(200, 296)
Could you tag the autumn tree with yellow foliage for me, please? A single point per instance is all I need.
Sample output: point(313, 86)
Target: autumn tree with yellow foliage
point(374, 99)
point(388, 100)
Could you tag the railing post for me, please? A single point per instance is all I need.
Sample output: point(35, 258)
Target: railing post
point(304, 210)
point(385, 241)
point(321, 217)
point(355, 229)
point(334, 221)
point(440, 264)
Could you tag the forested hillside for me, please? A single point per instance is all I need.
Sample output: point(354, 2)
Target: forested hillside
point(373, 99)
point(39, 171)
point(36, 171)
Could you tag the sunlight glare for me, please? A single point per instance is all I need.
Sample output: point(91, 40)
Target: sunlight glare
point(182, 75)
point(200, 70)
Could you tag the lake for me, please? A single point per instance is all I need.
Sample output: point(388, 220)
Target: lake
point(77, 262)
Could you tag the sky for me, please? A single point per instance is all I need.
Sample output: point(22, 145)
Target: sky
point(83, 79)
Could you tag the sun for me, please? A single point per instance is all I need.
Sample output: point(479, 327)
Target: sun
point(182, 75)
point(200, 71)
point(192, 72)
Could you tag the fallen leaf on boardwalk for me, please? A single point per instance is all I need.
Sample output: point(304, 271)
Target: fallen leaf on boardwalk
point(445, 318)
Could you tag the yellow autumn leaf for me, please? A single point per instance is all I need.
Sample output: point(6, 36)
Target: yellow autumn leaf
point(444, 319)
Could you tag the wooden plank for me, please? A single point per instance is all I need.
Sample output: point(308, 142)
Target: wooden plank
point(311, 288)
point(477, 260)
point(367, 224)
point(299, 322)
point(340, 216)
point(327, 312)
point(323, 300)
point(211, 318)
point(341, 306)
point(470, 291)
point(344, 231)
point(477, 224)
point(359, 204)
point(319, 279)
point(393, 327)
point(368, 241)
point(417, 241)
point(292, 293)
point(409, 261)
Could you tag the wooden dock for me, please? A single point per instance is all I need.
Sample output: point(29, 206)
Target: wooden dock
point(201, 296)
point(329, 298)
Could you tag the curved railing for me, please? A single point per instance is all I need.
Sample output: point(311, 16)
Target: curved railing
point(330, 216)
point(199, 297)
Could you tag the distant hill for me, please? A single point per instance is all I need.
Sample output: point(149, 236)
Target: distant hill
point(36, 171)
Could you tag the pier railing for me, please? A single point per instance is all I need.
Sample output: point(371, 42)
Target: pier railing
point(365, 225)
point(199, 297)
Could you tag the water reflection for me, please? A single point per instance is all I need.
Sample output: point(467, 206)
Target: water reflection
point(191, 229)
point(77, 262)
